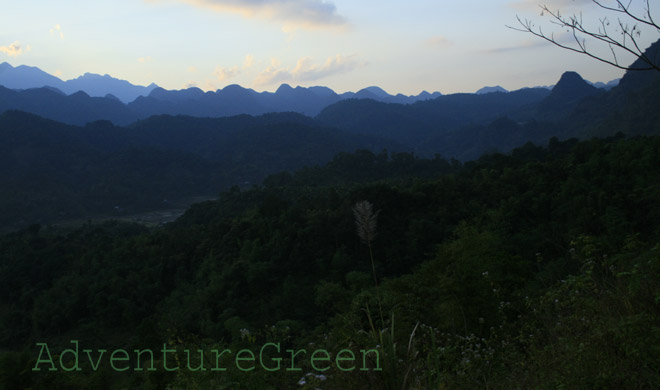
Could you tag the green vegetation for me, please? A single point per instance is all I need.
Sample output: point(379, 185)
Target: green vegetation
point(53, 172)
point(536, 269)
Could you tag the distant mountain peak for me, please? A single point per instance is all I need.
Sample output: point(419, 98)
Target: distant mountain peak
point(378, 91)
point(91, 76)
point(284, 88)
point(570, 77)
point(322, 91)
point(26, 77)
point(112, 97)
point(425, 95)
point(55, 90)
point(157, 91)
point(569, 90)
point(496, 88)
point(609, 85)
point(80, 95)
point(234, 88)
point(572, 85)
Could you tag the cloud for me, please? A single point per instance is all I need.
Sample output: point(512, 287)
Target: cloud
point(13, 50)
point(306, 14)
point(561, 37)
point(528, 44)
point(533, 5)
point(57, 30)
point(210, 86)
point(439, 41)
point(306, 70)
point(273, 75)
point(143, 60)
point(248, 62)
point(223, 74)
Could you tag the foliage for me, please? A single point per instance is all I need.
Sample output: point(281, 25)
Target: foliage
point(536, 269)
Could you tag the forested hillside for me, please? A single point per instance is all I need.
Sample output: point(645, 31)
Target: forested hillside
point(53, 172)
point(537, 269)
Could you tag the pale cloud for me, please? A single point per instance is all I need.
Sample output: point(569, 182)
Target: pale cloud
point(248, 62)
point(561, 37)
point(192, 69)
point(210, 86)
point(144, 60)
point(528, 44)
point(274, 62)
point(190, 84)
point(306, 70)
point(223, 74)
point(56, 30)
point(294, 14)
point(534, 5)
point(58, 73)
point(273, 75)
point(13, 50)
point(439, 41)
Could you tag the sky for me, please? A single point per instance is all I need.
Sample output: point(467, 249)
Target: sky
point(403, 46)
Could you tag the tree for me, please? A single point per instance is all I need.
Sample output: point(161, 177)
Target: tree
point(620, 36)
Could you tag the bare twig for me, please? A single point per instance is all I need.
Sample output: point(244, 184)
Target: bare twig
point(623, 40)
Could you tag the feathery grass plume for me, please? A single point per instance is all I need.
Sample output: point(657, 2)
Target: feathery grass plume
point(397, 370)
point(365, 220)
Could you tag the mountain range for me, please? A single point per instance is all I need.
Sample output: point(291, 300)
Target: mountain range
point(139, 102)
point(27, 77)
point(66, 156)
point(231, 100)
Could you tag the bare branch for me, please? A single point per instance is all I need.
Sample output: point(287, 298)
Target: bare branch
point(625, 9)
point(623, 41)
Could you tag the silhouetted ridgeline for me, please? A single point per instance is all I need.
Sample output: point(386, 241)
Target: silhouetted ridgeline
point(54, 171)
point(51, 171)
point(460, 125)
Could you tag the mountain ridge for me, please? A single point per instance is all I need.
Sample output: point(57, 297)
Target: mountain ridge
point(242, 149)
point(28, 77)
point(142, 102)
point(96, 85)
